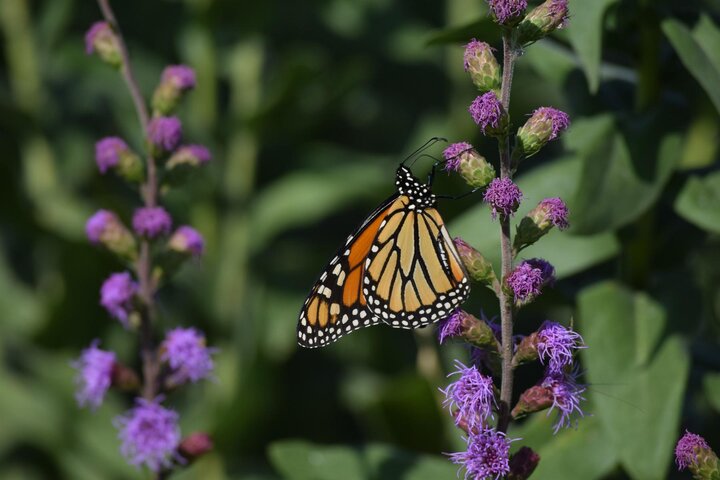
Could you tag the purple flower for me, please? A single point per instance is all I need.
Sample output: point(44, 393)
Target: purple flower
point(165, 132)
point(116, 295)
point(472, 50)
point(472, 395)
point(555, 211)
point(503, 196)
point(487, 455)
point(556, 345)
point(567, 395)
point(98, 224)
point(152, 221)
point(450, 326)
point(559, 120)
point(96, 29)
point(453, 153)
point(181, 76)
point(686, 451)
point(194, 155)
point(187, 240)
point(185, 351)
point(559, 8)
point(506, 11)
point(149, 434)
point(528, 278)
point(94, 375)
point(487, 112)
point(107, 152)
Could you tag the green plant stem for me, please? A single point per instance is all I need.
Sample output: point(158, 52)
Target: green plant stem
point(506, 309)
point(151, 367)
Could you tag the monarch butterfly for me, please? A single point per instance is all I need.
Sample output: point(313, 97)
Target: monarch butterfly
point(400, 267)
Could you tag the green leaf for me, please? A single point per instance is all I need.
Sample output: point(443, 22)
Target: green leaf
point(588, 442)
point(711, 384)
point(698, 52)
point(300, 460)
point(699, 202)
point(637, 378)
point(623, 173)
point(585, 33)
point(569, 253)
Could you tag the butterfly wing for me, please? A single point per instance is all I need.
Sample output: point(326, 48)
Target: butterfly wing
point(414, 276)
point(336, 305)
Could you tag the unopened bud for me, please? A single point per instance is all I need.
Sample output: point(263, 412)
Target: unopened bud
point(482, 66)
point(544, 125)
point(534, 399)
point(113, 153)
point(105, 228)
point(464, 159)
point(477, 266)
point(195, 445)
point(549, 213)
point(526, 350)
point(542, 20)
point(175, 81)
point(473, 330)
point(488, 113)
point(191, 155)
point(101, 39)
point(523, 463)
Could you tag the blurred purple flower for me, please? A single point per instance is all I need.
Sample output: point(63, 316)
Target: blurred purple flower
point(107, 152)
point(152, 222)
point(94, 375)
point(506, 11)
point(116, 295)
point(98, 223)
point(165, 132)
point(686, 450)
point(472, 395)
point(96, 29)
point(487, 455)
point(187, 240)
point(556, 345)
point(181, 76)
point(555, 211)
point(567, 395)
point(149, 434)
point(185, 351)
point(503, 197)
point(487, 112)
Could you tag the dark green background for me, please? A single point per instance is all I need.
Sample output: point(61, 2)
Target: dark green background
point(308, 107)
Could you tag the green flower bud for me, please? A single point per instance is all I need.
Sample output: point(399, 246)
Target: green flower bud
point(464, 159)
point(544, 125)
point(101, 39)
point(176, 80)
point(105, 228)
point(482, 65)
point(477, 266)
point(549, 213)
point(542, 20)
point(130, 167)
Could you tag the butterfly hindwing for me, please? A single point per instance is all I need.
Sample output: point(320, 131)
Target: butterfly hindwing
point(413, 273)
point(336, 305)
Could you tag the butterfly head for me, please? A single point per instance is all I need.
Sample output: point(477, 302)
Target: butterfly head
point(419, 193)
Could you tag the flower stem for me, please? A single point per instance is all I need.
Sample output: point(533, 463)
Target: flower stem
point(506, 311)
point(151, 367)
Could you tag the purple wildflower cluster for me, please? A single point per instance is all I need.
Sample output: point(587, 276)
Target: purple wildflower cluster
point(487, 112)
point(528, 279)
point(555, 211)
point(503, 197)
point(149, 432)
point(487, 455)
point(694, 453)
point(471, 397)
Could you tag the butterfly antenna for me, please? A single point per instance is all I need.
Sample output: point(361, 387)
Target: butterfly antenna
point(424, 147)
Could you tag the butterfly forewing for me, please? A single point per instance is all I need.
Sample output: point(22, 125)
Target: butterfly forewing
point(413, 274)
point(336, 304)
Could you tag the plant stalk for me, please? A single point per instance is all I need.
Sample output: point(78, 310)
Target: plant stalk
point(506, 309)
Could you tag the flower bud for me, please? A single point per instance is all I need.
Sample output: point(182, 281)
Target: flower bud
point(195, 445)
point(473, 330)
point(489, 114)
point(114, 153)
point(534, 399)
point(464, 159)
point(528, 279)
point(523, 463)
point(476, 265)
point(188, 241)
point(101, 39)
point(175, 81)
point(507, 12)
point(693, 452)
point(549, 213)
point(124, 378)
point(106, 229)
point(191, 155)
point(482, 65)
point(542, 20)
point(526, 351)
point(544, 125)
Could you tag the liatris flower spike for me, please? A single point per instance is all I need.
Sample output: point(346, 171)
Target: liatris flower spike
point(464, 159)
point(113, 153)
point(486, 455)
point(507, 12)
point(549, 213)
point(488, 113)
point(105, 228)
point(545, 124)
point(694, 453)
point(101, 39)
point(503, 197)
point(483, 67)
point(175, 80)
point(542, 20)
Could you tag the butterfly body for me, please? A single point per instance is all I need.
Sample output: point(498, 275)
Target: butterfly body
point(400, 268)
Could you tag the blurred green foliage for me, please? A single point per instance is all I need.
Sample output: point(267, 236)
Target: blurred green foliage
point(307, 107)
